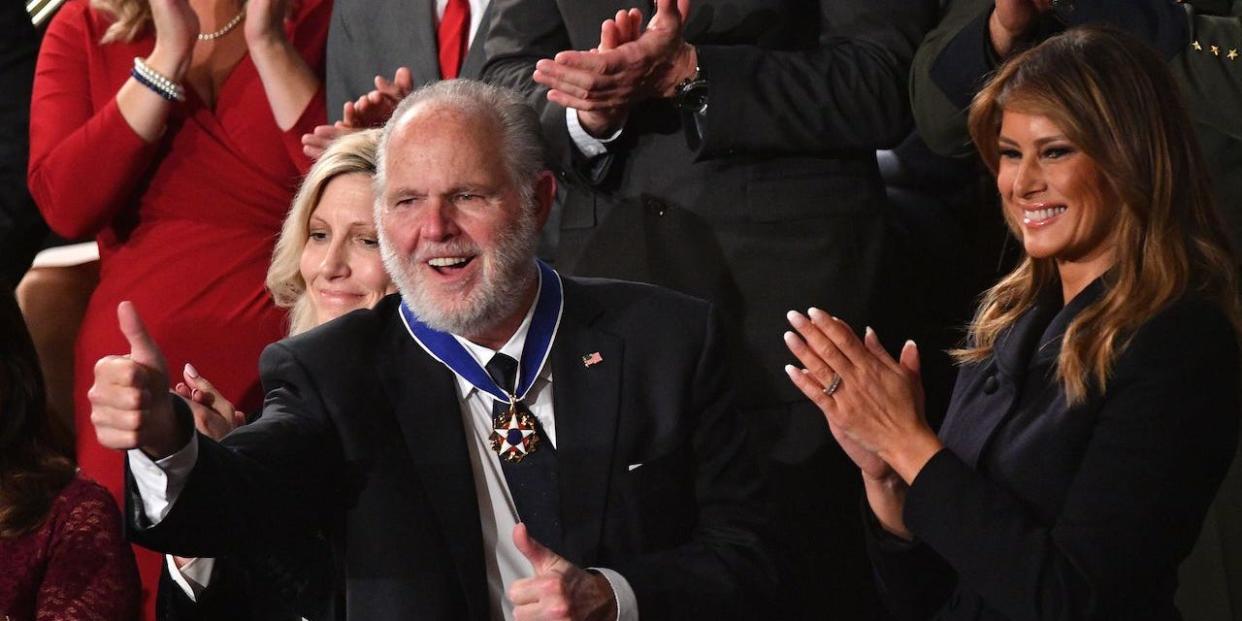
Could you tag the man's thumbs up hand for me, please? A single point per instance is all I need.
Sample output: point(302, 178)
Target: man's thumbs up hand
point(142, 349)
point(130, 403)
point(559, 590)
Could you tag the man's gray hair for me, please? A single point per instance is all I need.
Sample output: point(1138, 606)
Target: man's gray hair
point(521, 138)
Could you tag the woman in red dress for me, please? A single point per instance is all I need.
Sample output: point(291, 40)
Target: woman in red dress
point(182, 164)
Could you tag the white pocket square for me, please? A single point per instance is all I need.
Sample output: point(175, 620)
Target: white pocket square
point(633, 467)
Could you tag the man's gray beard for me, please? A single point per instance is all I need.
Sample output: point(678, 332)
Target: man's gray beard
point(504, 281)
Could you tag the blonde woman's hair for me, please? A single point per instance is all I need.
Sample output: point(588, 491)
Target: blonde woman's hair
point(130, 18)
point(1114, 98)
point(351, 153)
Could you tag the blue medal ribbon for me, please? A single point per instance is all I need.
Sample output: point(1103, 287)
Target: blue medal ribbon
point(543, 325)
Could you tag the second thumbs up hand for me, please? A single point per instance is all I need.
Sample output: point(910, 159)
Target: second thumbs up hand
point(130, 403)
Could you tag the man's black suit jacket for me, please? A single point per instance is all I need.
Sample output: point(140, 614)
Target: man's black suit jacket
point(361, 437)
point(1039, 510)
point(777, 203)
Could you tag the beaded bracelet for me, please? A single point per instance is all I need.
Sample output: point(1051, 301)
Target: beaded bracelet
point(156, 81)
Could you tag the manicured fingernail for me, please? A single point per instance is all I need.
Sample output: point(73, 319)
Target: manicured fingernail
point(869, 332)
point(911, 343)
point(790, 338)
point(191, 371)
point(818, 315)
point(795, 318)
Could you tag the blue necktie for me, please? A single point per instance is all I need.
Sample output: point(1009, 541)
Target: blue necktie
point(533, 480)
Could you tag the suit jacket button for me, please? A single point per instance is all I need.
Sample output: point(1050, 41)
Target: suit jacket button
point(655, 206)
point(990, 385)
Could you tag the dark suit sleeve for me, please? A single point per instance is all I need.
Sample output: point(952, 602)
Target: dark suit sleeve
point(522, 32)
point(725, 571)
point(263, 487)
point(1163, 438)
point(955, 60)
point(262, 587)
point(848, 92)
point(912, 579)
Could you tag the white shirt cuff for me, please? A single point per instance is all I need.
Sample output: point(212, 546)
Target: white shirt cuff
point(160, 482)
point(627, 602)
point(589, 145)
point(193, 577)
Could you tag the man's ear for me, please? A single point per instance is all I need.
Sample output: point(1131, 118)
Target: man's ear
point(545, 195)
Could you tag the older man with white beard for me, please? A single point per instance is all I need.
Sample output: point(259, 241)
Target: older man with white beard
point(498, 442)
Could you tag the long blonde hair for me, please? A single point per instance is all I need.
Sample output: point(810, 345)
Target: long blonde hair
point(130, 18)
point(1115, 100)
point(351, 153)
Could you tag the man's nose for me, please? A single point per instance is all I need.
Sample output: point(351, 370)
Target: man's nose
point(438, 222)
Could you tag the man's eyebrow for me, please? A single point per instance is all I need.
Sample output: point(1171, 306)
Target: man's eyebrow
point(403, 191)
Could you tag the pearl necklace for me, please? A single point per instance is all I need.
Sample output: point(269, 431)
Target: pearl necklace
point(208, 36)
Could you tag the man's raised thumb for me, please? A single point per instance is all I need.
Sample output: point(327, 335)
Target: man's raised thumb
point(675, 9)
point(142, 348)
point(540, 557)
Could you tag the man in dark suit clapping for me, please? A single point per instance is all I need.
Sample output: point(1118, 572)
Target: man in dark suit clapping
point(730, 154)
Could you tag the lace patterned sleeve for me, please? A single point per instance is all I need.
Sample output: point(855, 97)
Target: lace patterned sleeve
point(91, 575)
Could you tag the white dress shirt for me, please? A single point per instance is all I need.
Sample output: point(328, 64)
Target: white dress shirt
point(589, 145)
point(160, 482)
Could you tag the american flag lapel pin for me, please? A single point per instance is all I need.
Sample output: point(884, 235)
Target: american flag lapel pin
point(592, 359)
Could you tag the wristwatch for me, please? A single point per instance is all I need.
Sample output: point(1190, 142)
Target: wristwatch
point(691, 94)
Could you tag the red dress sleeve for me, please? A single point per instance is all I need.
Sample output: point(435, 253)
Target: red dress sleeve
point(91, 575)
point(84, 163)
point(310, 36)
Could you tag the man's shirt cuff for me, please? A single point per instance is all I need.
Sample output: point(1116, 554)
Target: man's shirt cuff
point(160, 482)
point(193, 577)
point(627, 602)
point(589, 145)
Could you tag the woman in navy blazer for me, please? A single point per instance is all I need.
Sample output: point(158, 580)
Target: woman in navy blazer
point(1097, 406)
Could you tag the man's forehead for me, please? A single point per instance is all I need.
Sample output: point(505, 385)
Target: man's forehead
point(433, 115)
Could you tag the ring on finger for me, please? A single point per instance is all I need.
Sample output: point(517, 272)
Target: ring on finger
point(834, 385)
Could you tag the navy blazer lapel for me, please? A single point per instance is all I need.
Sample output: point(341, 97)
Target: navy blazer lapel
point(1050, 341)
point(586, 400)
point(424, 400)
point(1031, 345)
point(969, 432)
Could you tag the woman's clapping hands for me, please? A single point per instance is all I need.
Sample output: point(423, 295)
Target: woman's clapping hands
point(876, 409)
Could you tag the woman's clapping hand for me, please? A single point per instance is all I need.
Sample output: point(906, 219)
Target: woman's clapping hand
point(876, 408)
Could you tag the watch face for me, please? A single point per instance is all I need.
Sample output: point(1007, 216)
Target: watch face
point(693, 97)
